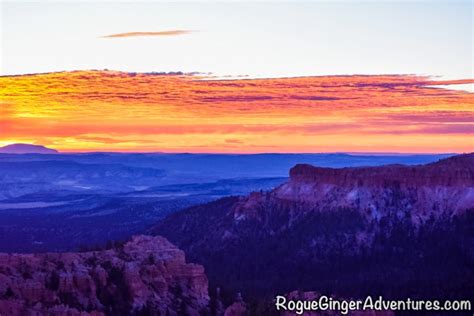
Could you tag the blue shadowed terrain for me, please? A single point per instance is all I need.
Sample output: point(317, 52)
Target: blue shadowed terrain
point(57, 202)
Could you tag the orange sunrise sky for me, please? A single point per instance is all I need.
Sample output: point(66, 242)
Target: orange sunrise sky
point(117, 111)
point(290, 71)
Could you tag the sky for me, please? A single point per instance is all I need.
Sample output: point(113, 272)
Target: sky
point(299, 77)
point(118, 111)
point(257, 39)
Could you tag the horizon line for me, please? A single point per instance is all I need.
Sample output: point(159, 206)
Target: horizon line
point(231, 153)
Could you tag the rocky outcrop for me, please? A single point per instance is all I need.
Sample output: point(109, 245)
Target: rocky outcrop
point(456, 171)
point(146, 275)
point(444, 188)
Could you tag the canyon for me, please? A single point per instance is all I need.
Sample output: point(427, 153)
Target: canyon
point(389, 230)
point(395, 230)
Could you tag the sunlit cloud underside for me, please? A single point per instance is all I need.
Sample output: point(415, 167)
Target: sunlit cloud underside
point(148, 34)
point(115, 111)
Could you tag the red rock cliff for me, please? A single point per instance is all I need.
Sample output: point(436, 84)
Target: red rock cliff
point(437, 189)
point(145, 274)
point(454, 171)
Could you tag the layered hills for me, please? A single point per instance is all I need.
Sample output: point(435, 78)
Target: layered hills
point(396, 231)
point(399, 231)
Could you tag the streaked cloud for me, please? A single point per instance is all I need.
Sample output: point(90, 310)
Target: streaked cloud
point(117, 111)
point(143, 34)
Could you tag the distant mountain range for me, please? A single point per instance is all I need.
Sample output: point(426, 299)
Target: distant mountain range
point(127, 172)
point(26, 149)
point(59, 202)
point(398, 231)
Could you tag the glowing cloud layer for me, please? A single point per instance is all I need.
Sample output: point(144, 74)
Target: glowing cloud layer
point(115, 111)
